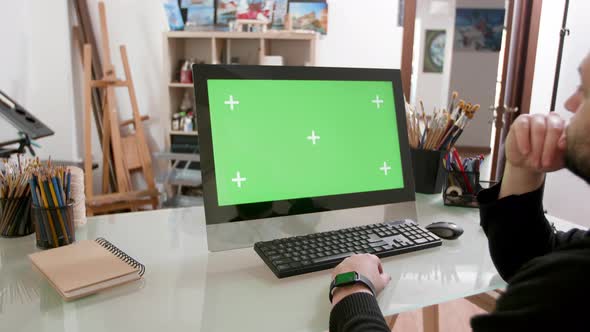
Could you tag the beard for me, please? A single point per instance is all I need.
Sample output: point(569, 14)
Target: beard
point(577, 155)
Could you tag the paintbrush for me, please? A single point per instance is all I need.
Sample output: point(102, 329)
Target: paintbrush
point(454, 96)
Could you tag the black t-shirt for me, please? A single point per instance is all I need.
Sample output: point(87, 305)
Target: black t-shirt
point(547, 273)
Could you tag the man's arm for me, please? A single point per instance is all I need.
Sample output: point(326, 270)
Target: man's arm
point(357, 312)
point(355, 308)
point(512, 213)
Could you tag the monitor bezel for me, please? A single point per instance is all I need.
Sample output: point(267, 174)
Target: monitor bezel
point(215, 214)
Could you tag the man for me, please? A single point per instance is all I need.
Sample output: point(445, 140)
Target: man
point(547, 272)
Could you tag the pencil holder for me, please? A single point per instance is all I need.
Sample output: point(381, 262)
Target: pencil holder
point(15, 217)
point(429, 173)
point(461, 188)
point(54, 225)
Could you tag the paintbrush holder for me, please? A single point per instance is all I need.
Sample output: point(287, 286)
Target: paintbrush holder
point(429, 173)
point(15, 217)
point(54, 225)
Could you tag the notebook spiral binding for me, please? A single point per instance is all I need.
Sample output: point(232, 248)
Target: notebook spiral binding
point(121, 255)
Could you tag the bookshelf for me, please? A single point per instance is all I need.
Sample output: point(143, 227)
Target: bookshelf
point(218, 47)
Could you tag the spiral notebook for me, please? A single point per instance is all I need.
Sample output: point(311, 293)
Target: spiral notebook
point(86, 267)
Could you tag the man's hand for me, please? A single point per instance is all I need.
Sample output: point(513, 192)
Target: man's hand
point(536, 144)
point(367, 265)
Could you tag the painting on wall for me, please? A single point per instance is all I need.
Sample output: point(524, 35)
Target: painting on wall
point(189, 3)
point(199, 17)
point(479, 30)
point(279, 14)
point(434, 51)
point(309, 16)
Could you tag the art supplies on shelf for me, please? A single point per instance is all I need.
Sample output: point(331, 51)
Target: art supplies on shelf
point(462, 180)
point(443, 129)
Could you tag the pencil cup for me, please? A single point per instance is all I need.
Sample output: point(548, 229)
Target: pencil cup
point(15, 217)
point(429, 173)
point(54, 225)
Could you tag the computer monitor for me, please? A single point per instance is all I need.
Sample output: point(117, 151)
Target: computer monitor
point(294, 150)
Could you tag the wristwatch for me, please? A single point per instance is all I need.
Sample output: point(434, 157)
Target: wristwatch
point(350, 278)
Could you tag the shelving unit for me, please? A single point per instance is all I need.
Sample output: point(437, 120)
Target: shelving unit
point(217, 47)
point(214, 47)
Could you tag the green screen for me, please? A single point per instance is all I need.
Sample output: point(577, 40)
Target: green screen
point(282, 139)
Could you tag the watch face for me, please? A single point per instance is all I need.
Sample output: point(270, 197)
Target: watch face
point(345, 278)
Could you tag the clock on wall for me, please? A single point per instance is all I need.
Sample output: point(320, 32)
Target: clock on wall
point(434, 51)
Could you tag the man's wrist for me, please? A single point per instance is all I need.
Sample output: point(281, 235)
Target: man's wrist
point(518, 181)
point(344, 291)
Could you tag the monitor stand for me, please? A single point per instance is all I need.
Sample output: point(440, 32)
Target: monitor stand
point(243, 234)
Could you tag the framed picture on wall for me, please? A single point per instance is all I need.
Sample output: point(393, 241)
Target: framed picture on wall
point(188, 3)
point(225, 11)
point(280, 14)
point(199, 17)
point(479, 30)
point(434, 51)
point(309, 15)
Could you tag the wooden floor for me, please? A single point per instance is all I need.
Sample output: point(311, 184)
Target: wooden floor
point(454, 317)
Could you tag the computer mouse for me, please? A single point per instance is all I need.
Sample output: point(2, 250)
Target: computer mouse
point(445, 230)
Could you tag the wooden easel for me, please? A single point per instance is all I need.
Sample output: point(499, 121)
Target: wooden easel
point(130, 152)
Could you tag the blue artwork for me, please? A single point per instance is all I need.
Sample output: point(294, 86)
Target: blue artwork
point(199, 16)
point(188, 3)
point(174, 16)
point(479, 30)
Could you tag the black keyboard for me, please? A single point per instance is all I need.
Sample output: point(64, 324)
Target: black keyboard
point(320, 251)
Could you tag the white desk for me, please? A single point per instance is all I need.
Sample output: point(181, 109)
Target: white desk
point(186, 288)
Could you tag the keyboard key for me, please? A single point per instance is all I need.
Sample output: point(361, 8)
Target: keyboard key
point(295, 265)
point(305, 263)
point(332, 258)
point(377, 244)
point(284, 267)
point(421, 240)
point(281, 261)
point(273, 257)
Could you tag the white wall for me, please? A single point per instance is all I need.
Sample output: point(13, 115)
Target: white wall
point(566, 196)
point(35, 69)
point(361, 35)
point(432, 88)
point(43, 71)
point(547, 47)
